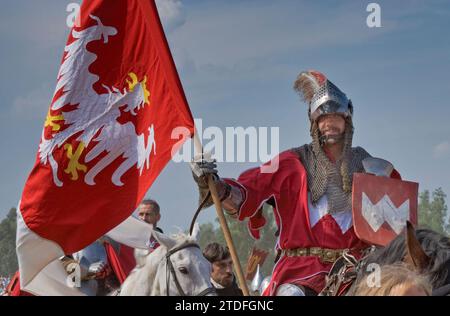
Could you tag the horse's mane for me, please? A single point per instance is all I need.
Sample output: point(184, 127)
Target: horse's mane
point(435, 245)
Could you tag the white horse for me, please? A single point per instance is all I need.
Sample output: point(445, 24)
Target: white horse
point(176, 268)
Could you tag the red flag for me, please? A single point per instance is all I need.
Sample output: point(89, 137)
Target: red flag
point(13, 287)
point(122, 263)
point(107, 135)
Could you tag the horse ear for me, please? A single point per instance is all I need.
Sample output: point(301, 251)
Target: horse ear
point(164, 240)
point(415, 255)
point(195, 231)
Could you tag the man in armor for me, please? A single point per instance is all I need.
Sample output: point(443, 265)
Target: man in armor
point(310, 192)
point(103, 266)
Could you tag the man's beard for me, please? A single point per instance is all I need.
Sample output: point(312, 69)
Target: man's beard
point(331, 139)
point(227, 281)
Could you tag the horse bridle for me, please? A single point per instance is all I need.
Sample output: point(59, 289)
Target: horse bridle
point(170, 267)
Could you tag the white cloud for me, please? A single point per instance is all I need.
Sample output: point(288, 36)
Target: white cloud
point(442, 150)
point(171, 13)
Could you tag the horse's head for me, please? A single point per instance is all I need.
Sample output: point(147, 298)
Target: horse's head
point(415, 256)
point(182, 270)
point(423, 250)
point(429, 253)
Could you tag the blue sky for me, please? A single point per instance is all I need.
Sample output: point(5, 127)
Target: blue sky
point(237, 61)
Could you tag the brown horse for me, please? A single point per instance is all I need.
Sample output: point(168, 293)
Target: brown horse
point(422, 250)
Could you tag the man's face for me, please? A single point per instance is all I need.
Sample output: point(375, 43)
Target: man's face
point(148, 214)
point(332, 126)
point(222, 272)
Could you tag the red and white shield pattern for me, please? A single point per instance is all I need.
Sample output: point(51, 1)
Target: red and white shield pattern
point(382, 206)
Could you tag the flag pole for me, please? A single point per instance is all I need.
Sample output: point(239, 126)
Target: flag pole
point(223, 223)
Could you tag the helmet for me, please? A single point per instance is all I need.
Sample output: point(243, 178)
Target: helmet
point(322, 96)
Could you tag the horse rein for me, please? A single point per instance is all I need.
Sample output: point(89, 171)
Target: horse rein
point(170, 267)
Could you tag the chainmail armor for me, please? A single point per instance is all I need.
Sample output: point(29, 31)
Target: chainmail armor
point(332, 179)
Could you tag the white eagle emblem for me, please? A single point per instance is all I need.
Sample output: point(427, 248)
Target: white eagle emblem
point(95, 116)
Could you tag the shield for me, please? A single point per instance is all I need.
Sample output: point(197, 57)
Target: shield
point(381, 207)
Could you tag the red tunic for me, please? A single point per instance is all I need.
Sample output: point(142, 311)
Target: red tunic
point(288, 189)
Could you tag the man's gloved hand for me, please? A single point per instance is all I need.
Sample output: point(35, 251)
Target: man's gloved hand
point(203, 165)
point(99, 270)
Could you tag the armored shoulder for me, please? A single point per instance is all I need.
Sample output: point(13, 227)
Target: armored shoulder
point(303, 152)
point(360, 152)
point(378, 166)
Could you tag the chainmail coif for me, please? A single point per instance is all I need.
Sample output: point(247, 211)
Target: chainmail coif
point(326, 177)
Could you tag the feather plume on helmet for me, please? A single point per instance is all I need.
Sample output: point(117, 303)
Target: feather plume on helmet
point(308, 83)
point(321, 95)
